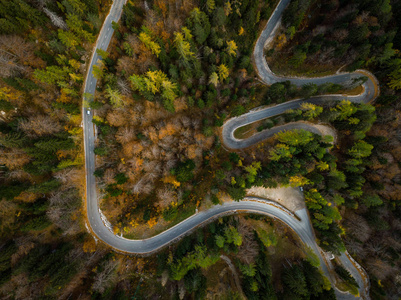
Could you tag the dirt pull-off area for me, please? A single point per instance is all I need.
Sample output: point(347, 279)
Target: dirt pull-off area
point(289, 197)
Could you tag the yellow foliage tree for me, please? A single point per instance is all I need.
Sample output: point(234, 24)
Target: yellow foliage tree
point(298, 180)
point(7, 95)
point(223, 72)
point(76, 77)
point(98, 69)
point(64, 98)
point(227, 8)
point(89, 246)
point(114, 96)
point(310, 110)
point(214, 79)
point(152, 222)
point(187, 33)
point(322, 166)
point(183, 47)
point(155, 82)
point(171, 179)
point(75, 64)
point(149, 43)
point(231, 48)
point(210, 5)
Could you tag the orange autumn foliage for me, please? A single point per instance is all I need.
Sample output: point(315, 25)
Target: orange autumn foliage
point(171, 179)
point(131, 149)
point(152, 222)
point(180, 104)
point(163, 7)
point(64, 98)
point(169, 129)
point(27, 197)
point(191, 151)
point(89, 246)
point(136, 164)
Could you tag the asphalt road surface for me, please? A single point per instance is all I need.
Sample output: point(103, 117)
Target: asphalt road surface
point(300, 224)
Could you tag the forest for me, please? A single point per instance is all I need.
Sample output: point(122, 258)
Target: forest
point(173, 74)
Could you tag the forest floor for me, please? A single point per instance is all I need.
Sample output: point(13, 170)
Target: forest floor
point(289, 197)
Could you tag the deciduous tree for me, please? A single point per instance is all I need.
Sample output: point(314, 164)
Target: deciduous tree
point(150, 43)
point(223, 72)
point(231, 48)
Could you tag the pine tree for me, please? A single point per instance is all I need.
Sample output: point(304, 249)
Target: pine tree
point(220, 241)
point(200, 25)
point(178, 270)
point(372, 200)
point(268, 238)
point(68, 38)
point(321, 221)
point(360, 149)
point(322, 166)
point(252, 170)
point(13, 140)
point(8, 27)
point(297, 59)
point(280, 151)
point(219, 17)
point(314, 200)
point(248, 270)
point(233, 236)
point(395, 79)
point(314, 278)
point(77, 6)
point(51, 75)
point(138, 83)
point(295, 280)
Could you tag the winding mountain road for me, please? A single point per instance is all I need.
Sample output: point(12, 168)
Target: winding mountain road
point(300, 223)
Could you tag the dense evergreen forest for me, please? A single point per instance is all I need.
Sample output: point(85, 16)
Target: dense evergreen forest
point(173, 73)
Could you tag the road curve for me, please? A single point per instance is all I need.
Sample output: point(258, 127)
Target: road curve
point(369, 93)
point(232, 124)
point(300, 224)
point(92, 206)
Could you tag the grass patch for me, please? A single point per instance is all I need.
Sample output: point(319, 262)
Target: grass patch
point(255, 127)
point(344, 287)
point(353, 92)
point(278, 63)
point(183, 214)
point(244, 131)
